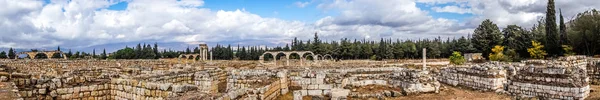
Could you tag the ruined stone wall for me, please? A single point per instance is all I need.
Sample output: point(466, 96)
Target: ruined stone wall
point(552, 82)
point(143, 90)
point(480, 77)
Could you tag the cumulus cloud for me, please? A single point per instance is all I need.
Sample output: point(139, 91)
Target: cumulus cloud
point(520, 12)
point(452, 9)
point(84, 23)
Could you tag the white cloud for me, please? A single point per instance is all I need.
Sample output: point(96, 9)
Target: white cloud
point(301, 4)
point(452, 9)
point(85, 23)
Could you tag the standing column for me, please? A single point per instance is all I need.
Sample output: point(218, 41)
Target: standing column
point(205, 55)
point(287, 61)
point(211, 55)
point(424, 59)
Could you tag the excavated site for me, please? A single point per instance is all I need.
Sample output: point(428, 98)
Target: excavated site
point(570, 78)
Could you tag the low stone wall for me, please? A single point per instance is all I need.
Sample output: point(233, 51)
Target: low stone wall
point(142, 90)
point(550, 82)
point(485, 77)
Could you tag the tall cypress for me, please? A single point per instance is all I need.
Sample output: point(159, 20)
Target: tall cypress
point(552, 40)
point(564, 40)
point(11, 53)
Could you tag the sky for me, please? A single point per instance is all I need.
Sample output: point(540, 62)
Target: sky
point(177, 24)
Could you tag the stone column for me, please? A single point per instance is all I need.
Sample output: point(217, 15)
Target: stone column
point(205, 55)
point(424, 59)
point(287, 60)
point(211, 55)
point(301, 61)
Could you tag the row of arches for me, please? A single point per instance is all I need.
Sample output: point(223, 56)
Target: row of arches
point(42, 55)
point(302, 55)
point(190, 56)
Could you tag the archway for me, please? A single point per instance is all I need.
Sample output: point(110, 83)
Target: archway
point(191, 57)
point(327, 57)
point(40, 56)
point(267, 57)
point(295, 58)
point(57, 55)
point(318, 57)
point(182, 56)
point(279, 56)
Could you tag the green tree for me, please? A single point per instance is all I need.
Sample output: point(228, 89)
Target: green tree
point(563, 31)
point(584, 32)
point(497, 53)
point(126, 53)
point(537, 51)
point(3, 55)
point(486, 36)
point(552, 39)
point(516, 39)
point(103, 55)
point(11, 53)
point(456, 58)
point(539, 31)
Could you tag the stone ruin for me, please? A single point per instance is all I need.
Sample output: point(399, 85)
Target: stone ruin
point(357, 82)
point(490, 77)
point(563, 78)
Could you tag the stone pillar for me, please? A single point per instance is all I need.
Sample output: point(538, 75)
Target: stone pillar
point(211, 55)
point(287, 60)
point(424, 59)
point(205, 55)
point(301, 61)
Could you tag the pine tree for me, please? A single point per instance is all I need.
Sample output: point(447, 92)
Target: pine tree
point(486, 36)
point(552, 39)
point(11, 53)
point(3, 55)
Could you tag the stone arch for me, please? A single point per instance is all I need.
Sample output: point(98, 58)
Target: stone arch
point(327, 57)
point(262, 57)
point(318, 57)
point(308, 54)
point(280, 53)
point(40, 55)
point(191, 57)
point(182, 56)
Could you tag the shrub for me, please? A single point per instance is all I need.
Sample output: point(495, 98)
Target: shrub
point(456, 58)
point(537, 52)
point(497, 54)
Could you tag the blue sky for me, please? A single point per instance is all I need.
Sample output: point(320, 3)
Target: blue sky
point(113, 24)
point(288, 10)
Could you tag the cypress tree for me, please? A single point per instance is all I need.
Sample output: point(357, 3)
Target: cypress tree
point(552, 39)
point(11, 53)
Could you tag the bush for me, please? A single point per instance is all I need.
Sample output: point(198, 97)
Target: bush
point(456, 58)
point(537, 51)
point(497, 54)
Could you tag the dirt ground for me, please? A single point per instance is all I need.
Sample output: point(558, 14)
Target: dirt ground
point(455, 93)
point(594, 93)
point(449, 93)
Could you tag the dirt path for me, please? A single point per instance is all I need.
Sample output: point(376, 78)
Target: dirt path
point(594, 93)
point(456, 93)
